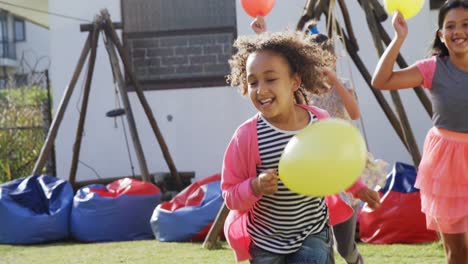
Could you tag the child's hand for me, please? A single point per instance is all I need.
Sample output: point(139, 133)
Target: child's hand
point(258, 25)
point(369, 196)
point(399, 24)
point(266, 183)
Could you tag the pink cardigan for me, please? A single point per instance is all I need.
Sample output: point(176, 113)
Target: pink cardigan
point(239, 167)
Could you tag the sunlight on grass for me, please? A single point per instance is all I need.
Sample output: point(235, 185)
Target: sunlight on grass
point(152, 251)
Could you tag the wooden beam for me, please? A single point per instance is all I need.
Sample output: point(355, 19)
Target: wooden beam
point(211, 240)
point(90, 27)
point(306, 14)
point(84, 104)
point(156, 178)
point(348, 24)
point(50, 165)
point(139, 91)
point(378, 10)
point(52, 134)
point(119, 82)
point(313, 9)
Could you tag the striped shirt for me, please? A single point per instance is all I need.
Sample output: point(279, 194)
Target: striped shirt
point(279, 223)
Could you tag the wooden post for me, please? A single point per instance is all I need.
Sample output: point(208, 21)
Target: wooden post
point(211, 240)
point(313, 9)
point(405, 124)
point(52, 134)
point(306, 15)
point(51, 168)
point(330, 14)
point(84, 104)
point(118, 79)
point(379, 11)
point(45, 110)
point(139, 91)
point(348, 24)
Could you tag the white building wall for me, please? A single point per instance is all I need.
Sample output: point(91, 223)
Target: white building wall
point(203, 119)
point(33, 54)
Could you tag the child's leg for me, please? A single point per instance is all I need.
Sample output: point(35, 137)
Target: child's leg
point(316, 248)
point(456, 247)
point(260, 256)
point(344, 235)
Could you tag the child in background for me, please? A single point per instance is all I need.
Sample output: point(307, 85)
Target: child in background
point(443, 171)
point(341, 102)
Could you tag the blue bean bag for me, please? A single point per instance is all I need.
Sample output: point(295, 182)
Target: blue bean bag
point(190, 214)
point(120, 211)
point(35, 209)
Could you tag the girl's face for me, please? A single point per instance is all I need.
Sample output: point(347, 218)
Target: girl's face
point(454, 33)
point(271, 85)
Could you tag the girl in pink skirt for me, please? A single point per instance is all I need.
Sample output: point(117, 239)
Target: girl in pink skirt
point(443, 171)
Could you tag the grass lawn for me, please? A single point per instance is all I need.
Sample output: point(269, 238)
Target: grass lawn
point(152, 251)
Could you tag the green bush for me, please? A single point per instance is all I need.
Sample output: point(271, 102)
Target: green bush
point(24, 96)
point(19, 148)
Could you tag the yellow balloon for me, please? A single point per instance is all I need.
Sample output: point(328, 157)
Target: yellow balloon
point(324, 158)
point(408, 8)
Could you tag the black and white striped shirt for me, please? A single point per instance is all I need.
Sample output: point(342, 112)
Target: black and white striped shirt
point(279, 223)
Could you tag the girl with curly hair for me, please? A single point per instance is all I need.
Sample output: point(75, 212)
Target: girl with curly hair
point(268, 223)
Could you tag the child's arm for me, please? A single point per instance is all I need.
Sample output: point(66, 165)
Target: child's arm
point(239, 183)
point(360, 190)
point(371, 197)
point(258, 25)
point(347, 96)
point(385, 78)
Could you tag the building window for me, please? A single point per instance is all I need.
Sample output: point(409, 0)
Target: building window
point(179, 43)
point(20, 32)
point(7, 47)
point(3, 28)
point(436, 4)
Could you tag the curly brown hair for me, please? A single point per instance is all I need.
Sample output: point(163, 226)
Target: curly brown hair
point(305, 58)
point(325, 42)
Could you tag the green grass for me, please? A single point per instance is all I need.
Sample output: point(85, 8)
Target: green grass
point(152, 251)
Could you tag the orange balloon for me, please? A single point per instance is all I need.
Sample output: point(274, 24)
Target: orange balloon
point(256, 8)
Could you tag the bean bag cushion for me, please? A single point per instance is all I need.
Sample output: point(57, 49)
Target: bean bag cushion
point(35, 209)
point(399, 219)
point(190, 214)
point(119, 211)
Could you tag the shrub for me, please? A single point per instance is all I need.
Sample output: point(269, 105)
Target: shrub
point(21, 133)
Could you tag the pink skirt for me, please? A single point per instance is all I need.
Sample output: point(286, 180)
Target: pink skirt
point(443, 181)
